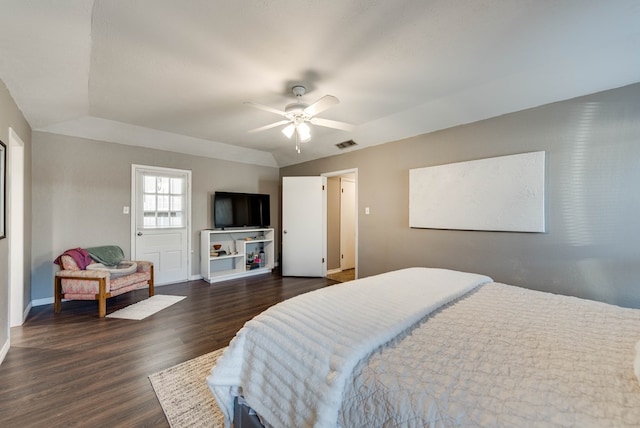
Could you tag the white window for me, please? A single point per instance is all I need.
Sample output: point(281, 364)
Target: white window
point(163, 201)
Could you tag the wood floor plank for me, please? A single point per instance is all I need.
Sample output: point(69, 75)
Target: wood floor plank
point(75, 369)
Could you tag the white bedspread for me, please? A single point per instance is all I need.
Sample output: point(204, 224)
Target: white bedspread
point(504, 356)
point(292, 361)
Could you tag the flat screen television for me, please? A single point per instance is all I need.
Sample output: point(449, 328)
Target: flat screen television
point(238, 210)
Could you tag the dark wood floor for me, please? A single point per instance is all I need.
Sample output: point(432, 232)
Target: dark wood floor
point(75, 369)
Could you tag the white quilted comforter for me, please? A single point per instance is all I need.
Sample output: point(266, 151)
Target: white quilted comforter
point(499, 356)
point(291, 363)
point(504, 356)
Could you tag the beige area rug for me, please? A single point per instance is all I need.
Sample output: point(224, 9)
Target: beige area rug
point(184, 395)
point(146, 307)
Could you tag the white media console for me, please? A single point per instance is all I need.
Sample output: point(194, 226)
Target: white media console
point(242, 252)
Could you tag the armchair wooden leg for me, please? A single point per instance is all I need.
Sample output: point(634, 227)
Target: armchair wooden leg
point(102, 298)
point(151, 289)
point(57, 294)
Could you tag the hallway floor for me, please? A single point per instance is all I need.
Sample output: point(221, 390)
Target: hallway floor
point(343, 276)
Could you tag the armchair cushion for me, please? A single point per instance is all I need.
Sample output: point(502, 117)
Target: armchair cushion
point(125, 267)
point(85, 282)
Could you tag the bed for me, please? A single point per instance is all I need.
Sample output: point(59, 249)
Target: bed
point(433, 347)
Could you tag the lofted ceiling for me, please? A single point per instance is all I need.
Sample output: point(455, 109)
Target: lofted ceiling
point(173, 74)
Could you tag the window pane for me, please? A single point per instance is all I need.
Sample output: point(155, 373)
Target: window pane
point(163, 203)
point(176, 203)
point(176, 186)
point(149, 203)
point(149, 184)
point(176, 219)
point(163, 219)
point(163, 185)
point(149, 220)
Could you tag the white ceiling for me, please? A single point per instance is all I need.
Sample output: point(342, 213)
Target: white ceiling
point(173, 74)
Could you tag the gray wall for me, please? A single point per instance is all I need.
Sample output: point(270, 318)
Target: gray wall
point(11, 116)
point(80, 187)
point(592, 247)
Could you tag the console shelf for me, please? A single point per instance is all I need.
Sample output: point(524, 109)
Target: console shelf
point(239, 254)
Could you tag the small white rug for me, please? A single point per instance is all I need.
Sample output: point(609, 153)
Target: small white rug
point(146, 307)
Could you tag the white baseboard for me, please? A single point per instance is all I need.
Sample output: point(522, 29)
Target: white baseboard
point(5, 350)
point(195, 277)
point(40, 302)
point(329, 272)
point(25, 314)
point(166, 283)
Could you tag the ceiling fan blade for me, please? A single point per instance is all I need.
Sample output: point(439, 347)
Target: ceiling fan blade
point(265, 108)
point(321, 105)
point(332, 124)
point(272, 125)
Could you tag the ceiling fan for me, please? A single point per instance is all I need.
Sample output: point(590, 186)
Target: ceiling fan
point(298, 115)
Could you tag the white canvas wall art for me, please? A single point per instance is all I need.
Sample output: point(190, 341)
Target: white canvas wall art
point(505, 193)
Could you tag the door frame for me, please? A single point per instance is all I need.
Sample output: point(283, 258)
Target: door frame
point(340, 173)
point(133, 211)
point(343, 232)
point(15, 226)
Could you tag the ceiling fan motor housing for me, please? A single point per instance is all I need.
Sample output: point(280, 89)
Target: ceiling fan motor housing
point(297, 108)
point(299, 90)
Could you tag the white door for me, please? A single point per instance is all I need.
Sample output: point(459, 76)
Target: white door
point(304, 236)
point(161, 218)
point(347, 224)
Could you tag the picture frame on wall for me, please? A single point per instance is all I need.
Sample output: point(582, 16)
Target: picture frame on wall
point(3, 189)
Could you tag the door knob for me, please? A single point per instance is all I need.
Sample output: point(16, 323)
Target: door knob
point(139, 233)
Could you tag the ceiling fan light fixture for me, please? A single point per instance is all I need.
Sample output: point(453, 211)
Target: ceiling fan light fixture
point(288, 130)
point(304, 132)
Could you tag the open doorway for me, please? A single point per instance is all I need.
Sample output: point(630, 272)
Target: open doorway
point(342, 225)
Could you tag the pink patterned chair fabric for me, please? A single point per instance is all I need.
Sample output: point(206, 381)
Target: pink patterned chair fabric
point(73, 283)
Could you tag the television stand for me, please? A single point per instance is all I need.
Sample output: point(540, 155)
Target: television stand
point(238, 255)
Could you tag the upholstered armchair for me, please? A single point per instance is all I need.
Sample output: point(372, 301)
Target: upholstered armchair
point(99, 282)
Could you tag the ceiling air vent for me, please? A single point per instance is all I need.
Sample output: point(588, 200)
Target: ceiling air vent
point(346, 144)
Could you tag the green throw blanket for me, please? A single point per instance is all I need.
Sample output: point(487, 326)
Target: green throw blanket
point(108, 255)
